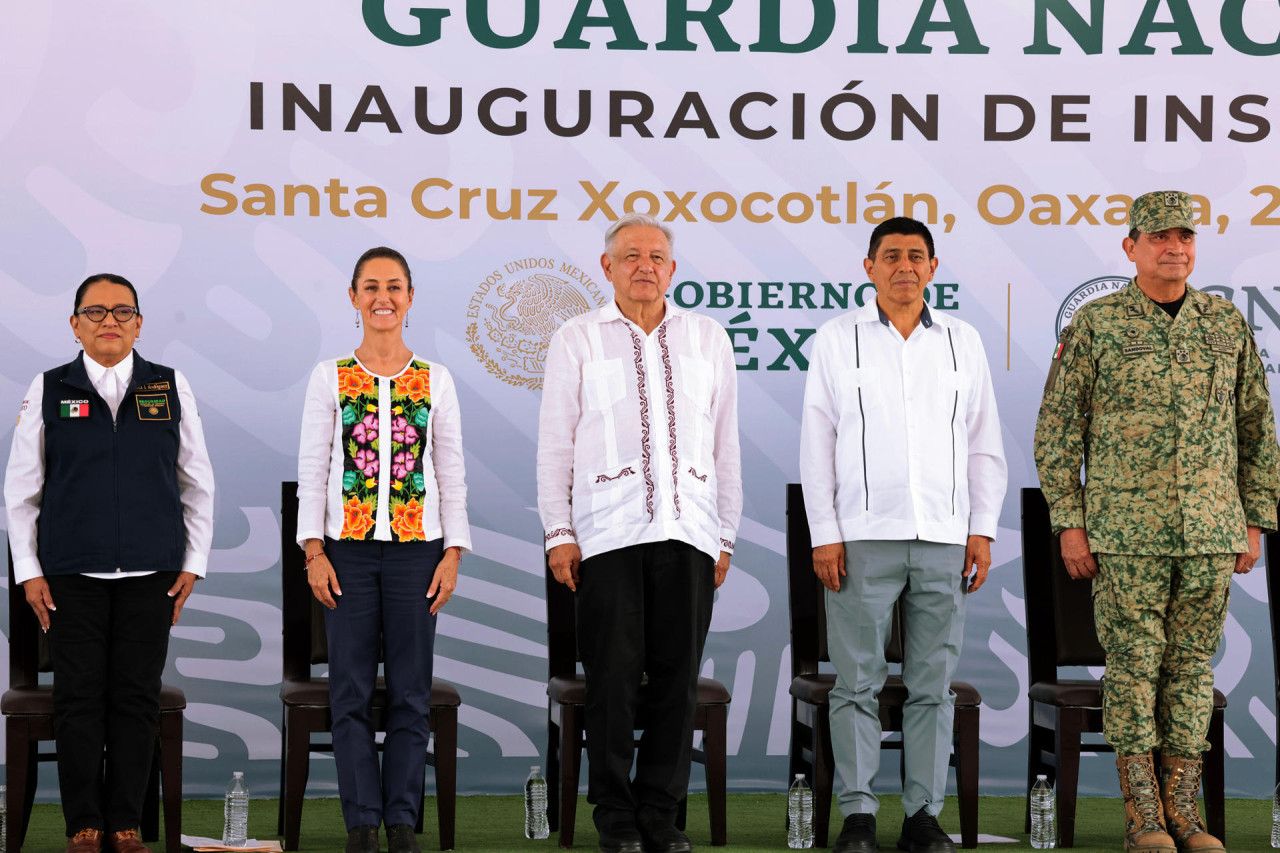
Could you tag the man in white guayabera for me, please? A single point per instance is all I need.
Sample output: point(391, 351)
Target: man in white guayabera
point(904, 474)
point(640, 494)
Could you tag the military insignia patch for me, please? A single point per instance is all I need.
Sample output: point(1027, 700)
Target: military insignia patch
point(1063, 340)
point(1219, 342)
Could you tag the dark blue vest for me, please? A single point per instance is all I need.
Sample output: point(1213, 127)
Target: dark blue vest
point(111, 500)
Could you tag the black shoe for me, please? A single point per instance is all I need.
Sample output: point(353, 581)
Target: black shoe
point(858, 835)
point(362, 839)
point(664, 838)
point(401, 839)
point(921, 834)
point(620, 839)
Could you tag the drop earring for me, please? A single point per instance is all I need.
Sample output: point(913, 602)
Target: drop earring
point(357, 319)
point(406, 321)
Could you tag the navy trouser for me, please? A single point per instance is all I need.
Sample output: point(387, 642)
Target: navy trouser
point(383, 612)
point(644, 609)
point(108, 640)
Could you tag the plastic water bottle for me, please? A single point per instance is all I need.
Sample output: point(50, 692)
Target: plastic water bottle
point(535, 805)
point(235, 827)
point(1044, 822)
point(1275, 817)
point(799, 814)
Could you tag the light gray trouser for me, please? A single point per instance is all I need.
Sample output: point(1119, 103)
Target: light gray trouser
point(927, 576)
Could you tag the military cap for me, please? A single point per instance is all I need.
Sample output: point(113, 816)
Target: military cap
point(1159, 211)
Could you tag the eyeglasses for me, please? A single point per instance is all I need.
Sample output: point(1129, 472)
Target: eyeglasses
point(98, 313)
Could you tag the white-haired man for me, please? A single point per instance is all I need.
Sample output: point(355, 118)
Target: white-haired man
point(640, 495)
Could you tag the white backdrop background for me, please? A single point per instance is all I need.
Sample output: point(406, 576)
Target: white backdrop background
point(112, 115)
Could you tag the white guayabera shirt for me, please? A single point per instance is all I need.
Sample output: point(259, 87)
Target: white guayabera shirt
point(638, 434)
point(900, 439)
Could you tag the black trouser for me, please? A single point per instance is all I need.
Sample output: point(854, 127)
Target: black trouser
point(642, 610)
point(108, 640)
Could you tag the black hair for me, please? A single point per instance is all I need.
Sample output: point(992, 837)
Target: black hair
point(106, 276)
point(382, 252)
point(899, 225)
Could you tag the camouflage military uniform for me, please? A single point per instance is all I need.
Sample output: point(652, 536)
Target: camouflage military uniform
point(1173, 419)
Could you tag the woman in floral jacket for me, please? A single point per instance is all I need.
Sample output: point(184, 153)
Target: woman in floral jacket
point(382, 517)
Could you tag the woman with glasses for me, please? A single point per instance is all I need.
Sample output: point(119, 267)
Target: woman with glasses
point(382, 517)
point(110, 501)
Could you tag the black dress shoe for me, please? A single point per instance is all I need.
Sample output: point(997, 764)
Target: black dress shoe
point(664, 838)
point(362, 839)
point(858, 835)
point(620, 839)
point(921, 834)
point(401, 839)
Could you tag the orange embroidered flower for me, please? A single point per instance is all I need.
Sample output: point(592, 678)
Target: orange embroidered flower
point(414, 384)
point(352, 382)
point(357, 519)
point(406, 520)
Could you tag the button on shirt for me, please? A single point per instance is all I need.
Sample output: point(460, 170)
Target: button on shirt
point(24, 477)
point(900, 438)
point(638, 434)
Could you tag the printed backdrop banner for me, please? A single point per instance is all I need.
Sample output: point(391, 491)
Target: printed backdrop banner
point(234, 159)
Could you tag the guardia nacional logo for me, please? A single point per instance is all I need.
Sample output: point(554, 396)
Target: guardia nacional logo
point(518, 307)
point(1090, 290)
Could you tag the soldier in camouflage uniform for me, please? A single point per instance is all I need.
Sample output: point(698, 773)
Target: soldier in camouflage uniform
point(1160, 390)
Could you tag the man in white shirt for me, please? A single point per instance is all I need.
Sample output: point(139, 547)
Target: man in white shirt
point(109, 493)
point(904, 475)
point(640, 495)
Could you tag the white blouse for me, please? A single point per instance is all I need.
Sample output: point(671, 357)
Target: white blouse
point(380, 457)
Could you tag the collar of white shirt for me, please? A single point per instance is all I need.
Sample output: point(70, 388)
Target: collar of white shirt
point(926, 319)
point(121, 375)
point(871, 312)
point(612, 312)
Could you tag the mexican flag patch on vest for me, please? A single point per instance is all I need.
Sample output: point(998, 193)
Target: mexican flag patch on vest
point(74, 408)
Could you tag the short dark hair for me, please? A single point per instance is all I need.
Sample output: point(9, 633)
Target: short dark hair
point(899, 225)
point(105, 276)
point(1134, 234)
point(382, 252)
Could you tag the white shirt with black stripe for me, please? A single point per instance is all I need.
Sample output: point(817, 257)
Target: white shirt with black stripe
point(900, 438)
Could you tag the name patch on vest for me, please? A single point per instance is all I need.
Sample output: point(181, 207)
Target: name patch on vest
point(1137, 348)
point(153, 407)
point(150, 387)
point(74, 408)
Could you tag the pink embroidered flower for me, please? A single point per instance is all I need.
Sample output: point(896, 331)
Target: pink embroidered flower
point(402, 431)
point(367, 462)
point(402, 465)
point(367, 430)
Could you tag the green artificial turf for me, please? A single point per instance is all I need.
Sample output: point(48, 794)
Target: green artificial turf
point(756, 823)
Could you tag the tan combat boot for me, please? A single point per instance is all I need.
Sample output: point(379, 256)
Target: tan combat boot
point(1179, 787)
point(1144, 818)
